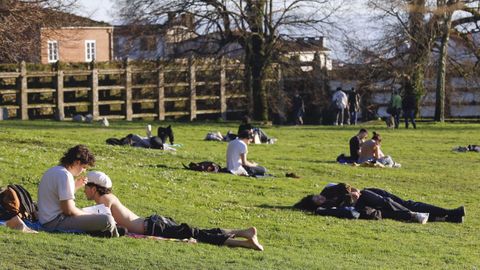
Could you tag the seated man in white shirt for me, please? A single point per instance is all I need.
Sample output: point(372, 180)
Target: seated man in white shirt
point(237, 162)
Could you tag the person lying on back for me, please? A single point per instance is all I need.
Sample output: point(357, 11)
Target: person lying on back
point(99, 189)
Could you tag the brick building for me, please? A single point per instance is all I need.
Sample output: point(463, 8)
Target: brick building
point(76, 44)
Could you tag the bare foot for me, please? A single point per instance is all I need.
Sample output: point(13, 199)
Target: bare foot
point(28, 230)
point(254, 244)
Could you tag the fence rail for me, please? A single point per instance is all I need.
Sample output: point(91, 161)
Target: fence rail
point(22, 94)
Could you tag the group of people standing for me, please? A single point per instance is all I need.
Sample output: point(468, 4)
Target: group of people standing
point(346, 103)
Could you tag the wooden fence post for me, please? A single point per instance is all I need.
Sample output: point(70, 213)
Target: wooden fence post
point(128, 91)
point(161, 90)
point(60, 98)
point(193, 90)
point(23, 91)
point(223, 97)
point(94, 86)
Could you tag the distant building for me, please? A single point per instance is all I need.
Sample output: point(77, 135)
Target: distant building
point(305, 49)
point(139, 42)
point(60, 36)
point(76, 44)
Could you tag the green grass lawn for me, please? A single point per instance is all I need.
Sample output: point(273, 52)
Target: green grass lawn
point(151, 181)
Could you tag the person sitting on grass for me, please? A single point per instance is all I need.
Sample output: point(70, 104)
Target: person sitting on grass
point(99, 189)
point(370, 151)
point(56, 197)
point(237, 162)
point(247, 125)
point(375, 203)
point(355, 144)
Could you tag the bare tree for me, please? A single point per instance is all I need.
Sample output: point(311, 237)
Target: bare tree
point(19, 24)
point(256, 25)
point(413, 29)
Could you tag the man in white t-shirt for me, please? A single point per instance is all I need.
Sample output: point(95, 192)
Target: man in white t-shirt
point(237, 162)
point(56, 197)
point(340, 103)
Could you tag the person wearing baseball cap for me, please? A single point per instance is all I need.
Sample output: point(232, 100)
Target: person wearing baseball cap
point(56, 197)
point(99, 189)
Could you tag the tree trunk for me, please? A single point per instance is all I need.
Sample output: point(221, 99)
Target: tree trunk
point(257, 58)
point(442, 66)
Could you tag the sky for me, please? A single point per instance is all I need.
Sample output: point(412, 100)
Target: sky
point(99, 10)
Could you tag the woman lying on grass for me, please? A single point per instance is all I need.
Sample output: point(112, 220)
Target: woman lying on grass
point(343, 200)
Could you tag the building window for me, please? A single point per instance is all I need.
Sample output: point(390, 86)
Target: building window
point(52, 51)
point(90, 50)
point(148, 43)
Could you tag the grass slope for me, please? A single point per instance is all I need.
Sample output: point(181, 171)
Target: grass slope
point(152, 181)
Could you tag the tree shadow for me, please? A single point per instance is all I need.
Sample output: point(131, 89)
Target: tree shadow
point(276, 207)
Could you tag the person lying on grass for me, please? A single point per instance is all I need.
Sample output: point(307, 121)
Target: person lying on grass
point(373, 203)
point(56, 197)
point(99, 189)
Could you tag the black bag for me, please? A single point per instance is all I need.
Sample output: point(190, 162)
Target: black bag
point(204, 166)
point(16, 200)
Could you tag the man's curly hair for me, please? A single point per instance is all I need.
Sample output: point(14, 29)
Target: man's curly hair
point(79, 152)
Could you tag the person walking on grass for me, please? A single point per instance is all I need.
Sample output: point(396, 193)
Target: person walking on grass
point(396, 107)
point(340, 103)
point(237, 151)
point(99, 189)
point(353, 105)
point(409, 107)
point(56, 197)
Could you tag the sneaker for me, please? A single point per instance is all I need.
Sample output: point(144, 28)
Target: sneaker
point(421, 218)
point(455, 219)
point(457, 215)
point(122, 231)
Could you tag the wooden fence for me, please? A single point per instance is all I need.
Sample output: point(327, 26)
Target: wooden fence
point(23, 92)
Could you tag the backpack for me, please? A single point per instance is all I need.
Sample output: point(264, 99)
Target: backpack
point(204, 166)
point(16, 200)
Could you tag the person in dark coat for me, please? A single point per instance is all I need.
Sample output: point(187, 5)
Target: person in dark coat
point(409, 105)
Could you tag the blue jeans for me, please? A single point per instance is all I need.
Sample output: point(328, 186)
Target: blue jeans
point(353, 118)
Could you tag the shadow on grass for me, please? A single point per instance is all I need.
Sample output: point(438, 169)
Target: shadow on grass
point(276, 207)
point(162, 166)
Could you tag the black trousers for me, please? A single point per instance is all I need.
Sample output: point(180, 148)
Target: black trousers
point(168, 228)
point(396, 208)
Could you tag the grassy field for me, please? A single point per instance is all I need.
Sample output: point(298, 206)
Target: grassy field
point(151, 181)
